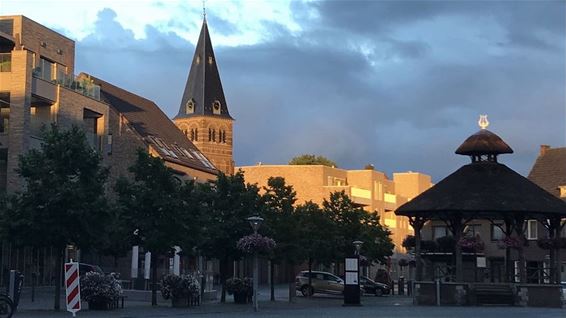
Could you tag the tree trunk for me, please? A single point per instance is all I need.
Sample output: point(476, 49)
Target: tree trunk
point(310, 273)
point(58, 278)
point(457, 227)
point(509, 269)
point(271, 273)
point(223, 266)
point(291, 280)
point(154, 279)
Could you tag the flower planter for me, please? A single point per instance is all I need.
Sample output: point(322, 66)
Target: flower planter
point(99, 304)
point(179, 302)
point(242, 298)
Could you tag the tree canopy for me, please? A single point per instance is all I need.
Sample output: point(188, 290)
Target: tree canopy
point(62, 201)
point(307, 159)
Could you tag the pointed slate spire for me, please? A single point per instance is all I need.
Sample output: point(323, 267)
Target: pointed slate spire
point(203, 91)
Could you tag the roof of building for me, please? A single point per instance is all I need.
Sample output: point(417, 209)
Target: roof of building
point(156, 129)
point(483, 189)
point(549, 170)
point(483, 142)
point(203, 90)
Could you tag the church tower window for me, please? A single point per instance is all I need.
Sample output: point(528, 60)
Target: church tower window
point(190, 107)
point(216, 106)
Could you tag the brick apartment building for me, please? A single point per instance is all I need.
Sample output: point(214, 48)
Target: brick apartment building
point(38, 87)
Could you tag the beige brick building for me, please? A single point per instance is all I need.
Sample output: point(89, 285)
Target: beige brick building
point(38, 87)
point(369, 188)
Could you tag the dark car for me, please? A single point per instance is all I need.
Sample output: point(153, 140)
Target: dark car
point(371, 287)
point(85, 268)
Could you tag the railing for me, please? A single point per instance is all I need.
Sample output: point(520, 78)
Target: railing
point(82, 85)
point(5, 62)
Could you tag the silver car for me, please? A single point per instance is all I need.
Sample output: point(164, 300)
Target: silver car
point(321, 282)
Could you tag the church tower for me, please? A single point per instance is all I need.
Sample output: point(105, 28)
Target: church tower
point(203, 115)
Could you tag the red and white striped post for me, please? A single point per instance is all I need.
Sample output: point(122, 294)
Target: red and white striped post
point(73, 287)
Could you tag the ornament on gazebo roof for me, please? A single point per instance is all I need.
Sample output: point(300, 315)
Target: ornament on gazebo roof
point(483, 146)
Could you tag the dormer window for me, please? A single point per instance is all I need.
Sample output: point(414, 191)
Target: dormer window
point(562, 190)
point(190, 106)
point(210, 60)
point(216, 107)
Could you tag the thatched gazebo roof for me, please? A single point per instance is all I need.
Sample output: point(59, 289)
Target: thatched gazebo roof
point(484, 188)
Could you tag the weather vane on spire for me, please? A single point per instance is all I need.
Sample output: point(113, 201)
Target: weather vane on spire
point(483, 122)
point(204, 9)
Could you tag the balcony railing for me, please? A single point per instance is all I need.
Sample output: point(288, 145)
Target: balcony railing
point(5, 62)
point(81, 85)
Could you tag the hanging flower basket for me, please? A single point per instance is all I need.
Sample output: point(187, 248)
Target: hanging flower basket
point(256, 243)
point(471, 244)
point(511, 242)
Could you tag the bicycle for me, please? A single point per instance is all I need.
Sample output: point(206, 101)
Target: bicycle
point(6, 306)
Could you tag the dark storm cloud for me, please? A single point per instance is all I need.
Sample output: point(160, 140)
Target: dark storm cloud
point(396, 84)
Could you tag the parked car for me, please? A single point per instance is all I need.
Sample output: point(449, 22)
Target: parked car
point(321, 282)
point(369, 286)
point(85, 268)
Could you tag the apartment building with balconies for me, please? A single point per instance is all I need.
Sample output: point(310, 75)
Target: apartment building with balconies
point(38, 87)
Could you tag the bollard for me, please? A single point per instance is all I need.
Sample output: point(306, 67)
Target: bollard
point(438, 292)
point(401, 285)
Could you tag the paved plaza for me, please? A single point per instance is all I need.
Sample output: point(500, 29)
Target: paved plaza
point(318, 306)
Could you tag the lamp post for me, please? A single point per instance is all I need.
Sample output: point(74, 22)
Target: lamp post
point(358, 246)
point(255, 222)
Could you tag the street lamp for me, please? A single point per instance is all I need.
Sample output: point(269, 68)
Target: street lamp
point(255, 223)
point(358, 246)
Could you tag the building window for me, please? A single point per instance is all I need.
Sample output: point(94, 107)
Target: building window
point(496, 232)
point(532, 230)
point(471, 230)
point(4, 112)
point(439, 231)
point(224, 136)
point(196, 134)
point(192, 134)
point(209, 134)
point(562, 191)
point(214, 135)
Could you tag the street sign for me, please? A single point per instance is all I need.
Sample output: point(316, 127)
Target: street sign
point(73, 287)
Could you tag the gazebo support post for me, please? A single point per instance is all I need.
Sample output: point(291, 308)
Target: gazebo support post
point(520, 230)
point(417, 223)
point(509, 272)
point(456, 226)
point(557, 273)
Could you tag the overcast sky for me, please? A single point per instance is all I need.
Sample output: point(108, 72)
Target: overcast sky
point(399, 84)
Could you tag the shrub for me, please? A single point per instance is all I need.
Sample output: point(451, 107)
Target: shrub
point(175, 286)
point(237, 285)
point(99, 287)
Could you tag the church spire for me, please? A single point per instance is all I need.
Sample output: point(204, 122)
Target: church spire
point(203, 95)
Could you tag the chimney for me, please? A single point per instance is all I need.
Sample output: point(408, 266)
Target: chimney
point(543, 149)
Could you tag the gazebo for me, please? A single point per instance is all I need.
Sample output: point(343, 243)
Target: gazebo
point(487, 190)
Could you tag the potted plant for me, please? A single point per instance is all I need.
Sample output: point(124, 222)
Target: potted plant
point(99, 290)
point(242, 289)
point(180, 289)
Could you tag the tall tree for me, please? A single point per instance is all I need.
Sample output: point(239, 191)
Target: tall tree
point(318, 235)
point(307, 159)
point(153, 206)
point(228, 201)
point(63, 200)
point(283, 225)
point(354, 223)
